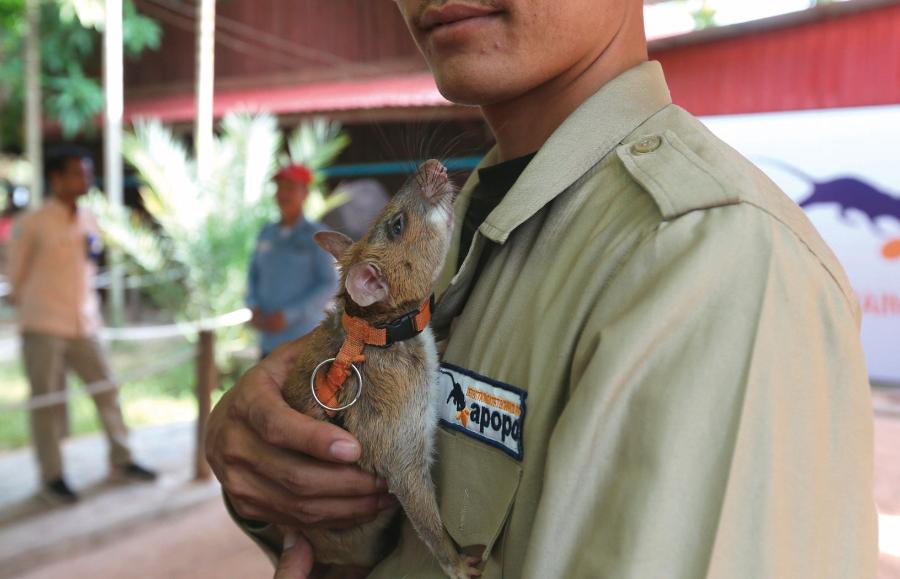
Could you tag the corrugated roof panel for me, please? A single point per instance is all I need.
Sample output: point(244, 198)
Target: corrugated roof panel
point(402, 91)
point(848, 61)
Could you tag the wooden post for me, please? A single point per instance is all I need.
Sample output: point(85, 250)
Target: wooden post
point(203, 125)
point(206, 382)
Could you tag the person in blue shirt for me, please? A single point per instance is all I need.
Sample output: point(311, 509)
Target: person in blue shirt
point(291, 279)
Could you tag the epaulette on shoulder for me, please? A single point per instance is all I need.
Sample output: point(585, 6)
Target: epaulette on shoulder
point(677, 178)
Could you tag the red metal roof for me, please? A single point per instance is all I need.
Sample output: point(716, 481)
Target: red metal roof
point(402, 91)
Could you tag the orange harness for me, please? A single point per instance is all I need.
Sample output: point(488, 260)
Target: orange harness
point(359, 334)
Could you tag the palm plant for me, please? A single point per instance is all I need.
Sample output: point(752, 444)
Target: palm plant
point(207, 229)
point(316, 144)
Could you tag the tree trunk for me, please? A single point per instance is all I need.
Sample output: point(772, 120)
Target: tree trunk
point(33, 124)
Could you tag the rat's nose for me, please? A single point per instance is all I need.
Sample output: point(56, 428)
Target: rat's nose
point(434, 179)
point(434, 168)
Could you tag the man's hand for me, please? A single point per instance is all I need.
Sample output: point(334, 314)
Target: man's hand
point(258, 319)
point(296, 561)
point(280, 466)
point(276, 322)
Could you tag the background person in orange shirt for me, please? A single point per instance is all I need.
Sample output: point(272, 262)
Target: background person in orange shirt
point(52, 270)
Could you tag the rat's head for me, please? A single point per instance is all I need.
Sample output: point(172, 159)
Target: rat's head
point(398, 260)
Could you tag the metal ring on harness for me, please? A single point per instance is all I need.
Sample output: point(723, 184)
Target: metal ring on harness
point(312, 387)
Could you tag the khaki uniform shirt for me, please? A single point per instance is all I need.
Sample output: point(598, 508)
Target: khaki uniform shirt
point(679, 352)
point(697, 399)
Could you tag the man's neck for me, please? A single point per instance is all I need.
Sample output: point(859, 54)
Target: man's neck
point(291, 221)
point(70, 204)
point(523, 124)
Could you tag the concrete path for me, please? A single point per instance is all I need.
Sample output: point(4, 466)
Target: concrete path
point(33, 532)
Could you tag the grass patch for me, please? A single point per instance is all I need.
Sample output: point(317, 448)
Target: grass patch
point(165, 397)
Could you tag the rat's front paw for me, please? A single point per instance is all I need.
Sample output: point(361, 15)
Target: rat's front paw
point(464, 568)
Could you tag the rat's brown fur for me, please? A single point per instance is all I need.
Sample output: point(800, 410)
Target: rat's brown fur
point(393, 419)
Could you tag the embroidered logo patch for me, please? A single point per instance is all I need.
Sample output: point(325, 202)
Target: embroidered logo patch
point(485, 409)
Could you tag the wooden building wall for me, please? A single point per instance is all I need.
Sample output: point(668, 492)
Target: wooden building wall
point(276, 41)
point(837, 60)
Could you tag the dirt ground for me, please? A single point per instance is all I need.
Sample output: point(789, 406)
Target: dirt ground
point(203, 544)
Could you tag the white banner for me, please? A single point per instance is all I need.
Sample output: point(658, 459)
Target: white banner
point(843, 167)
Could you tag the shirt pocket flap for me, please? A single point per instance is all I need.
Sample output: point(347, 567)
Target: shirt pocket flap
point(477, 485)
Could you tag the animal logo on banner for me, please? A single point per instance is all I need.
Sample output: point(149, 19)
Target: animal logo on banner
point(852, 194)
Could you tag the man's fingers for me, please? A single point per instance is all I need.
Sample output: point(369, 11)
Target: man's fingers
point(268, 516)
point(299, 474)
point(296, 557)
point(310, 478)
point(256, 498)
point(250, 512)
point(280, 425)
point(350, 523)
point(329, 511)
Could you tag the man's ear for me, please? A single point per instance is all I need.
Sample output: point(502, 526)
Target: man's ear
point(333, 242)
point(365, 284)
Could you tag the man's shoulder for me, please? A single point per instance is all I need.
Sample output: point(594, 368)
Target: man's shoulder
point(311, 227)
point(27, 220)
point(268, 230)
point(684, 167)
point(690, 174)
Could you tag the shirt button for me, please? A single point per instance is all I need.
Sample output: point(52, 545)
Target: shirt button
point(646, 145)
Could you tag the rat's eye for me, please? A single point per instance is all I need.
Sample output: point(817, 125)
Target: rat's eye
point(396, 225)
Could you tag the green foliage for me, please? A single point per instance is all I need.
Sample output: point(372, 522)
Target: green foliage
point(704, 16)
point(317, 144)
point(10, 15)
point(138, 32)
point(208, 229)
point(72, 100)
point(70, 37)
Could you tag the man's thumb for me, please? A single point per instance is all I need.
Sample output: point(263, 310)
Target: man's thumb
point(296, 560)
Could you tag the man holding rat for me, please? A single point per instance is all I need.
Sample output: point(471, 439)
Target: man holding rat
point(679, 347)
point(290, 280)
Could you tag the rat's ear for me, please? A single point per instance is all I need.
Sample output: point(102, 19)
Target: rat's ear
point(365, 284)
point(333, 242)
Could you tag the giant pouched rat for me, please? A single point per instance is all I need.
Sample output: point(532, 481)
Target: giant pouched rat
point(386, 276)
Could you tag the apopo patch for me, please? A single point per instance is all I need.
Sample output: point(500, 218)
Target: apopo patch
point(483, 408)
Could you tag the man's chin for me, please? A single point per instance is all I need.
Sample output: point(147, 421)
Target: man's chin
point(473, 88)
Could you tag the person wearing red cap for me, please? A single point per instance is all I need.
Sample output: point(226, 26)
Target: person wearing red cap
point(297, 174)
point(290, 279)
